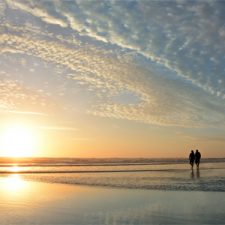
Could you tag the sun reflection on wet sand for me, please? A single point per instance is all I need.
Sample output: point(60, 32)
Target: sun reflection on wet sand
point(32, 202)
point(13, 185)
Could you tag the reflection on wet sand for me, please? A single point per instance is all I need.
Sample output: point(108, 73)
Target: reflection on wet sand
point(198, 173)
point(43, 203)
point(194, 174)
point(13, 185)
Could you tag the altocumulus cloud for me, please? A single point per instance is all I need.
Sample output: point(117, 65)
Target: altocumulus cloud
point(14, 95)
point(168, 54)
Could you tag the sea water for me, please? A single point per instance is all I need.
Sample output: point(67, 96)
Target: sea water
point(135, 173)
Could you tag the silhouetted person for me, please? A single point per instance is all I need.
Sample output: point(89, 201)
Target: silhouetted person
point(192, 158)
point(197, 158)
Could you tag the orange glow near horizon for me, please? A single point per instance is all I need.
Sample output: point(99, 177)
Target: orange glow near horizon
point(18, 140)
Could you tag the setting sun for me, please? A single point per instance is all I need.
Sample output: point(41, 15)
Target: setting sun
point(18, 140)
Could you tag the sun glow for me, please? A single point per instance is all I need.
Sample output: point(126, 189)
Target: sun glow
point(18, 140)
point(14, 169)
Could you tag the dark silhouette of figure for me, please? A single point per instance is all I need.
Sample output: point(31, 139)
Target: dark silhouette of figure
point(197, 158)
point(192, 158)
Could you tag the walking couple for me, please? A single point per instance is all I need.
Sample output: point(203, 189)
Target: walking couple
point(195, 158)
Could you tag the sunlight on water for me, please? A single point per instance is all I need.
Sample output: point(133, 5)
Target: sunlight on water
point(14, 169)
point(154, 174)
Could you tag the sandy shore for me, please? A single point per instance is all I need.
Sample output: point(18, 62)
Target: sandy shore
point(23, 202)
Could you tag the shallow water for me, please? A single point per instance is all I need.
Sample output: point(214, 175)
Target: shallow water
point(157, 174)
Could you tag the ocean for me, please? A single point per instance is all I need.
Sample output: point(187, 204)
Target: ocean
point(131, 173)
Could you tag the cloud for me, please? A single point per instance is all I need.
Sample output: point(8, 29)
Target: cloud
point(38, 12)
point(185, 37)
point(24, 112)
point(14, 96)
point(206, 138)
point(159, 52)
point(58, 128)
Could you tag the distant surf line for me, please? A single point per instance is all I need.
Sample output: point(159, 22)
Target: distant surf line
point(98, 171)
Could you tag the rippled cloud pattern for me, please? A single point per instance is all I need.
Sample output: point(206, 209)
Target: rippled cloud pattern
point(157, 62)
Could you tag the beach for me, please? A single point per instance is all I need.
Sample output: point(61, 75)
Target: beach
point(44, 203)
point(158, 196)
point(112, 112)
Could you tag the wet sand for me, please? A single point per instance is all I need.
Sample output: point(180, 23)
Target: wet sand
point(28, 202)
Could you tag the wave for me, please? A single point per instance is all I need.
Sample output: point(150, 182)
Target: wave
point(118, 166)
point(87, 171)
point(59, 162)
point(177, 180)
point(155, 175)
point(22, 171)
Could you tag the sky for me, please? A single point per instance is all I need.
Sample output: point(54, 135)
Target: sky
point(115, 78)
